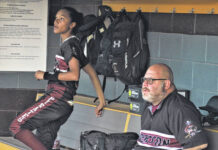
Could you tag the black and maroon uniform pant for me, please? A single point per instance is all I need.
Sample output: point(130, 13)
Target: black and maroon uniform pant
point(46, 116)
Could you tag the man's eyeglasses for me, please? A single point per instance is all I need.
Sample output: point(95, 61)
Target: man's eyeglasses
point(149, 80)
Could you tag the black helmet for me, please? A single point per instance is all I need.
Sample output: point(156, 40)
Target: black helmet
point(212, 108)
point(212, 105)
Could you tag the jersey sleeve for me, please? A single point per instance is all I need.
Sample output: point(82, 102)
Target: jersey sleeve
point(185, 124)
point(73, 49)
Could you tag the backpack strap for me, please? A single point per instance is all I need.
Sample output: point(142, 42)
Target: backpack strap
point(103, 88)
point(113, 100)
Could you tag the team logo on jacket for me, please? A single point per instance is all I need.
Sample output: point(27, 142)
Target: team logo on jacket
point(190, 129)
point(159, 140)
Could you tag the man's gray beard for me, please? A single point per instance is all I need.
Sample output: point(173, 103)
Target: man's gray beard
point(151, 99)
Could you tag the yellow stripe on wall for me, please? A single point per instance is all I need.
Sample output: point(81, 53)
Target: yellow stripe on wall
point(165, 6)
point(4, 146)
point(211, 130)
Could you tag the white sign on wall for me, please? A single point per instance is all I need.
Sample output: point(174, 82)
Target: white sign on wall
point(23, 35)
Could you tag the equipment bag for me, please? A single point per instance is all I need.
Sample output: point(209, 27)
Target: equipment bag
point(104, 60)
point(97, 140)
point(120, 50)
point(129, 49)
point(91, 34)
point(96, 49)
point(124, 50)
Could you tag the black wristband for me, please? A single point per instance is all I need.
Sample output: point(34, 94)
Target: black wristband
point(51, 76)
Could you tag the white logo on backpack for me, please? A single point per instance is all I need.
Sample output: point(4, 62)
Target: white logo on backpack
point(116, 44)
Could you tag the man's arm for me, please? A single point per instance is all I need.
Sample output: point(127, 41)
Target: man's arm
point(188, 131)
point(199, 147)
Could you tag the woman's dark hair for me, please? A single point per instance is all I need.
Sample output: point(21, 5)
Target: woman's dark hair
point(75, 17)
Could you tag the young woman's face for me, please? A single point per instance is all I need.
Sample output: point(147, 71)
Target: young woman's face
point(62, 23)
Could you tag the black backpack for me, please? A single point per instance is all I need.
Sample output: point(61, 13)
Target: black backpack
point(124, 50)
point(91, 34)
point(120, 51)
point(129, 49)
point(97, 140)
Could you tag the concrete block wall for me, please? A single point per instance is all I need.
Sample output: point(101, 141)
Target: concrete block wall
point(193, 59)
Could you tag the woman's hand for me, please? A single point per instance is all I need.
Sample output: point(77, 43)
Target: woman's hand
point(39, 75)
point(99, 110)
point(96, 82)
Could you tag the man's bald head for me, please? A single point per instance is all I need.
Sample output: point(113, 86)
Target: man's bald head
point(157, 84)
point(163, 71)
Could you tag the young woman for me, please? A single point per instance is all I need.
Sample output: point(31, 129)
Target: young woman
point(54, 108)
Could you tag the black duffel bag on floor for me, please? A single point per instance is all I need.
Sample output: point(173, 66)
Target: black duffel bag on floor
point(97, 140)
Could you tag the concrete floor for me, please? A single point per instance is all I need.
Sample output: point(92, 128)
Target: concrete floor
point(19, 145)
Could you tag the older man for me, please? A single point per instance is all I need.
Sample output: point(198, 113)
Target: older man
point(169, 121)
